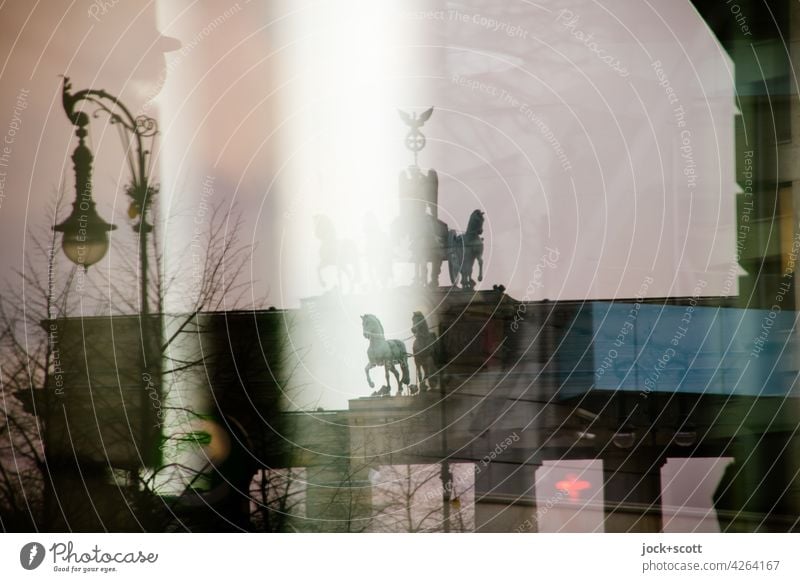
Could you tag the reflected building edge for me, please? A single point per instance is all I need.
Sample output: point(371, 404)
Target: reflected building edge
point(507, 402)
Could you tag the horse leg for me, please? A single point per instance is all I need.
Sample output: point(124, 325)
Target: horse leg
point(431, 379)
point(420, 363)
point(480, 267)
point(319, 275)
point(386, 367)
point(367, 368)
point(396, 377)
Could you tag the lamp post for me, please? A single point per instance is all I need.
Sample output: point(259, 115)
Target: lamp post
point(85, 240)
point(85, 234)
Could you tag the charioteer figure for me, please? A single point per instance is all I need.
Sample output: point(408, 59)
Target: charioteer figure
point(418, 224)
point(428, 239)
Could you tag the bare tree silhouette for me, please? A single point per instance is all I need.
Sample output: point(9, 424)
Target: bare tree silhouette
point(47, 290)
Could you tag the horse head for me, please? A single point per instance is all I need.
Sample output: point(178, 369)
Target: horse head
point(418, 324)
point(475, 224)
point(371, 327)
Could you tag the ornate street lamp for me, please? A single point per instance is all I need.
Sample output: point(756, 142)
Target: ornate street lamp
point(85, 240)
point(85, 235)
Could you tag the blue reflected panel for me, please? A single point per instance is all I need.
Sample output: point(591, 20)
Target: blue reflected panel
point(692, 349)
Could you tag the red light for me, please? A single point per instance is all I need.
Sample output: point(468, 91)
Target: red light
point(573, 486)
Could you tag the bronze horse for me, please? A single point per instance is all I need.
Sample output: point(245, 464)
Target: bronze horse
point(464, 249)
point(432, 243)
point(426, 352)
point(383, 352)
